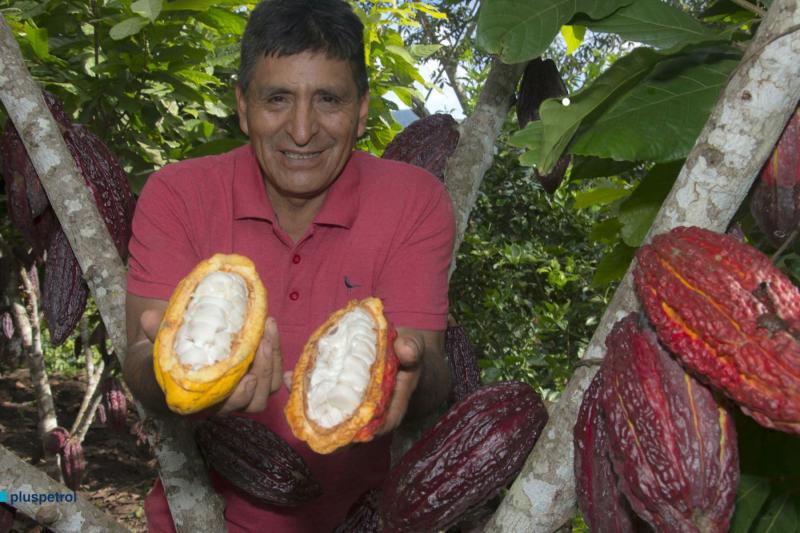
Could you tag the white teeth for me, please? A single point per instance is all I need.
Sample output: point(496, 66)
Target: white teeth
point(292, 155)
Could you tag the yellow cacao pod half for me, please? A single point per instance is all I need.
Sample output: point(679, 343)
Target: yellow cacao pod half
point(210, 331)
point(343, 382)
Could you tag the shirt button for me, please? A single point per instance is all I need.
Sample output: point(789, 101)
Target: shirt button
point(294, 295)
point(296, 259)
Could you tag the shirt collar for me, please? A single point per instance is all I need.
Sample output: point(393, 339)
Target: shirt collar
point(250, 198)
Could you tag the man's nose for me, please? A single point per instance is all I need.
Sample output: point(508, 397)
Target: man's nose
point(303, 123)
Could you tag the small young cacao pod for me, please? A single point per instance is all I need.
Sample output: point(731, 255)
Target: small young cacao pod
point(363, 516)
point(115, 404)
point(7, 324)
point(729, 315)
point(775, 203)
point(344, 379)
point(672, 444)
point(602, 504)
point(73, 463)
point(471, 453)
point(463, 362)
point(55, 440)
point(256, 461)
point(210, 332)
point(101, 415)
point(427, 143)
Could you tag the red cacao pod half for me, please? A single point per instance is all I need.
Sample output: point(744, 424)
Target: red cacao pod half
point(427, 143)
point(73, 463)
point(600, 500)
point(775, 203)
point(475, 449)
point(463, 362)
point(730, 316)
point(255, 460)
point(672, 444)
point(344, 379)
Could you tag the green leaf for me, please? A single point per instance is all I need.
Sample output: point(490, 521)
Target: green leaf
point(128, 27)
point(519, 30)
point(421, 51)
point(780, 516)
point(225, 22)
point(37, 37)
point(216, 147)
point(602, 195)
point(613, 265)
point(529, 137)
point(659, 119)
point(605, 231)
point(584, 167)
point(149, 9)
point(561, 122)
point(401, 52)
point(637, 212)
point(573, 36)
point(753, 491)
point(653, 22)
point(198, 5)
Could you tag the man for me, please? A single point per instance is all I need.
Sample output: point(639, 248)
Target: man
point(323, 224)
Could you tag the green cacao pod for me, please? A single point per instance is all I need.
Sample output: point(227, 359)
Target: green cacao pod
point(427, 143)
point(775, 203)
point(730, 316)
point(602, 504)
point(255, 460)
point(672, 444)
point(475, 449)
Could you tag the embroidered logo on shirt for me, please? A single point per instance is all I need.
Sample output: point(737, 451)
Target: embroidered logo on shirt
point(349, 284)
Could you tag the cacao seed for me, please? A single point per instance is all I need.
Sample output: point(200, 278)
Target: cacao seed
point(256, 461)
point(427, 143)
point(463, 362)
point(65, 291)
point(672, 444)
point(705, 294)
point(470, 454)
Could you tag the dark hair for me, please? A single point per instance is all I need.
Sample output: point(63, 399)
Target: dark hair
point(287, 27)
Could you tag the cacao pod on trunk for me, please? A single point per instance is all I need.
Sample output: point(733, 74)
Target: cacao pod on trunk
point(73, 463)
point(600, 500)
point(55, 440)
point(463, 362)
point(775, 204)
point(7, 324)
point(256, 461)
point(730, 316)
point(343, 382)
point(471, 453)
point(363, 516)
point(672, 444)
point(427, 143)
point(540, 81)
point(115, 404)
point(64, 293)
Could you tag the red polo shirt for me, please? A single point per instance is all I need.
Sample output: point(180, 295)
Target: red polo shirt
point(385, 229)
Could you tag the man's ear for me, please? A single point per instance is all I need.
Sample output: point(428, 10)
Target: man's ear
point(363, 113)
point(241, 108)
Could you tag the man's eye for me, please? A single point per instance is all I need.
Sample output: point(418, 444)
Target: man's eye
point(329, 99)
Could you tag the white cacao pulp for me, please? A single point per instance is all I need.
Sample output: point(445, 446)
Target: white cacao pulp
point(214, 316)
point(341, 373)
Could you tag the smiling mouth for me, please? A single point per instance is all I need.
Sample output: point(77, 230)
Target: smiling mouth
point(300, 155)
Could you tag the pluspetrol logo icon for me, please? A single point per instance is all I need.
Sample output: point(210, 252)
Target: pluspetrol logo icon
point(12, 497)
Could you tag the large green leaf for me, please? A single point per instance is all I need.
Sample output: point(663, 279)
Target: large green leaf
point(225, 22)
point(601, 195)
point(637, 212)
point(128, 27)
point(519, 30)
point(752, 493)
point(652, 22)
point(149, 9)
point(662, 116)
point(613, 265)
point(37, 37)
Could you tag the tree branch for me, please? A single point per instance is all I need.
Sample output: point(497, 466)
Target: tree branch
point(737, 139)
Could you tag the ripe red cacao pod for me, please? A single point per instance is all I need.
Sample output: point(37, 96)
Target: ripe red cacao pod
point(115, 404)
point(427, 143)
point(255, 460)
point(775, 203)
point(475, 449)
point(73, 463)
point(600, 500)
point(672, 444)
point(64, 292)
point(463, 362)
point(363, 516)
point(730, 316)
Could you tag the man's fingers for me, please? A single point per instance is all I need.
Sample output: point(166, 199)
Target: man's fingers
point(408, 348)
point(241, 396)
point(277, 357)
point(150, 321)
point(263, 368)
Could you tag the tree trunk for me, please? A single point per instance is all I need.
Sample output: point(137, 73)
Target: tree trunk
point(738, 137)
point(193, 503)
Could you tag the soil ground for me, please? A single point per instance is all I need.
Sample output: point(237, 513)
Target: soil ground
point(119, 472)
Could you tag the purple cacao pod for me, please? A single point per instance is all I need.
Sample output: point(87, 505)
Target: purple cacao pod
point(73, 463)
point(427, 143)
point(115, 404)
point(363, 516)
point(64, 292)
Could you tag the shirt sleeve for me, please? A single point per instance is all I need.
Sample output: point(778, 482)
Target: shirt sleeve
point(414, 282)
point(161, 250)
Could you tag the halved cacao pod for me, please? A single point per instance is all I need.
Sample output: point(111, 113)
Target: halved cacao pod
point(343, 382)
point(602, 504)
point(210, 331)
point(427, 143)
point(471, 453)
point(672, 444)
point(256, 461)
point(730, 316)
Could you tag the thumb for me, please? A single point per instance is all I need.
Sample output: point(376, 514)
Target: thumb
point(150, 321)
point(408, 349)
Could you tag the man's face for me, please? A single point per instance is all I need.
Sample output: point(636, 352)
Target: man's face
point(303, 115)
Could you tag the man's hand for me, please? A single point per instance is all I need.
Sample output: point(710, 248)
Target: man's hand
point(422, 370)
